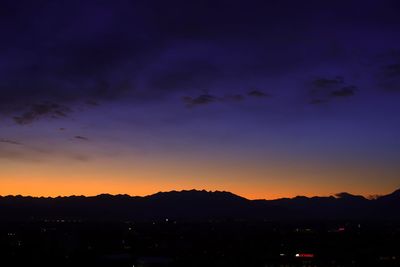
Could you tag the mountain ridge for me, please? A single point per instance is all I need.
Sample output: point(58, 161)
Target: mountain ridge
point(200, 205)
point(337, 195)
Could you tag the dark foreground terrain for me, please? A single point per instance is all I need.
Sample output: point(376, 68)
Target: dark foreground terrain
point(208, 243)
point(200, 228)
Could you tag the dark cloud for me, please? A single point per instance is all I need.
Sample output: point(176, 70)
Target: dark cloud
point(392, 70)
point(200, 100)
point(345, 91)
point(80, 157)
point(81, 138)
point(326, 83)
point(32, 153)
point(38, 111)
point(19, 156)
point(317, 101)
point(325, 89)
point(92, 103)
point(257, 93)
point(183, 75)
point(73, 52)
point(235, 98)
point(389, 77)
point(8, 141)
point(68, 53)
point(206, 98)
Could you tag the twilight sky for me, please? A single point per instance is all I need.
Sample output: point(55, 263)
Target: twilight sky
point(262, 98)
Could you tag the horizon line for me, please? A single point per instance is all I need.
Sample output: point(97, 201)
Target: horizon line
point(369, 197)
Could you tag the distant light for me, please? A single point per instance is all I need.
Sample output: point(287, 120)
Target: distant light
point(166, 220)
point(304, 255)
point(283, 254)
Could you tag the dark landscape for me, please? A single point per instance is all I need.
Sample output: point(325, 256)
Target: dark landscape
point(193, 205)
point(200, 228)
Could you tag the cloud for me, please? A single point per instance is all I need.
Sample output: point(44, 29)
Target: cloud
point(234, 97)
point(19, 156)
point(392, 70)
point(344, 91)
point(326, 83)
point(183, 74)
point(79, 157)
point(323, 90)
point(91, 52)
point(34, 153)
point(77, 53)
point(317, 101)
point(257, 93)
point(81, 138)
point(8, 141)
point(389, 77)
point(203, 99)
point(92, 103)
point(38, 111)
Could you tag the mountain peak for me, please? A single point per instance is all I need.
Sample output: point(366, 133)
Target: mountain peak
point(345, 195)
point(396, 192)
point(395, 195)
point(196, 194)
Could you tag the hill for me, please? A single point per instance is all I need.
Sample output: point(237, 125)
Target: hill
point(199, 205)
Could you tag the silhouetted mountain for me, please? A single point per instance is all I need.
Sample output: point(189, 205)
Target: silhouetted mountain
point(387, 205)
point(395, 196)
point(345, 195)
point(199, 205)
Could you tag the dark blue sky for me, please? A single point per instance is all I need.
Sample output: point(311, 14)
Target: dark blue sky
point(263, 98)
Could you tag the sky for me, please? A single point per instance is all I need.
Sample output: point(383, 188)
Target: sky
point(265, 99)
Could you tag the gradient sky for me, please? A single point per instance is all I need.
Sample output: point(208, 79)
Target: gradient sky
point(262, 98)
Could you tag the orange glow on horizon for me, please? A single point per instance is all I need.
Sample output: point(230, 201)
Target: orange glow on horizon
point(55, 188)
point(139, 177)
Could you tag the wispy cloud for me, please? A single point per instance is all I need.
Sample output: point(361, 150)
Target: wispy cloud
point(389, 77)
point(344, 91)
point(83, 138)
point(234, 97)
point(38, 111)
point(205, 99)
point(258, 93)
point(326, 83)
point(8, 141)
point(200, 100)
point(317, 101)
point(323, 90)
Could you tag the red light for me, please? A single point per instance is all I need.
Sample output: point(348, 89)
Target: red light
point(305, 255)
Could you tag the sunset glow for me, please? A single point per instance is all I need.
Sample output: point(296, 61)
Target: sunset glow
point(267, 101)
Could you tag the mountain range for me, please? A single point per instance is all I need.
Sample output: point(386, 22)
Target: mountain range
point(199, 205)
